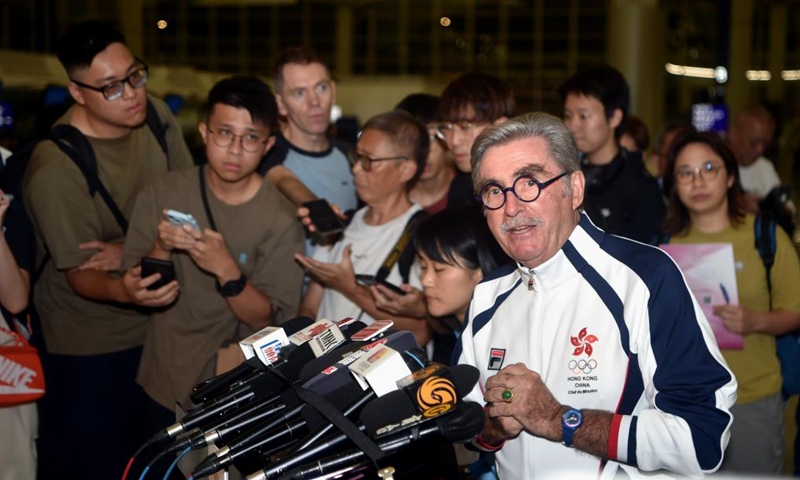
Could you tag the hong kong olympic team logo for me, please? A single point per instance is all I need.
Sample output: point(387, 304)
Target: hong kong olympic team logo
point(583, 345)
point(584, 366)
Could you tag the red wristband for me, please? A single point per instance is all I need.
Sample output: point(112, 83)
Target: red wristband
point(480, 442)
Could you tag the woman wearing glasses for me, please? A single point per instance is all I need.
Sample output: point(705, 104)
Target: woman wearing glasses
point(702, 184)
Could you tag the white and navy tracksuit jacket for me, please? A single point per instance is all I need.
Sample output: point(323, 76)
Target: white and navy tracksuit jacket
point(609, 324)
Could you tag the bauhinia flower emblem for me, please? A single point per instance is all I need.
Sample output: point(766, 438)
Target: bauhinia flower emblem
point(583, 343)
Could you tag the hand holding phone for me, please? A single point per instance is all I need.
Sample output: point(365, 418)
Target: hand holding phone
point(369, 280)
point(323, 217)
point(151, 266)
point(177, 219)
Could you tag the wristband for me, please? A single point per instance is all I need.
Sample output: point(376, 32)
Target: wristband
point(480, 442)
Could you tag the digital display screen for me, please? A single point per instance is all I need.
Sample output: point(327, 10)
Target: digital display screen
point(6, 116)
point(55, 95)
point(710, 117)
point(174, 102)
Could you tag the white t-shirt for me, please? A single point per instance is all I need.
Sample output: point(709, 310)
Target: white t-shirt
point(759, 177)
point(4, 154)
point(371, 245)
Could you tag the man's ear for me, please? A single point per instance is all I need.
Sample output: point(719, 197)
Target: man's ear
point(408, 168)
point(268, 145)
point(616, 118)
point(203, 129)
point(578, 183)
point(333, 92)
point(76, 93)
point(281, 106)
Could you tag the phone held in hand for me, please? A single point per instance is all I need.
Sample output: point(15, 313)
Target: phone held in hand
point(151, 266)
point(369, 280)
point(177, 219)
point(323, 217)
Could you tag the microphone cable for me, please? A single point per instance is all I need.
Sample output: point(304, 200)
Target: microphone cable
point(175, 462)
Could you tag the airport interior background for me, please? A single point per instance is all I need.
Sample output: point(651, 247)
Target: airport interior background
point(696, 60)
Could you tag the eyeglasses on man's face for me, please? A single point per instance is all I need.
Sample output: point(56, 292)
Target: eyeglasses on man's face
point(251, 142)
point(707, 171)
point(525, 187)
point(366, 161)
point(115, 89)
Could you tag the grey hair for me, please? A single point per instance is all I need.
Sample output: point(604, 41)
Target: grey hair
point(551, 129)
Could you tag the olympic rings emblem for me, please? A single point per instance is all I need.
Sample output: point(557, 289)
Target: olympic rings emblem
point(585, 366)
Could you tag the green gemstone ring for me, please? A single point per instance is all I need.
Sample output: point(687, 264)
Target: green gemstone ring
point(507, 395)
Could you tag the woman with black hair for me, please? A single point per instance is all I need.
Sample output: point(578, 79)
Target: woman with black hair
point(706, 206)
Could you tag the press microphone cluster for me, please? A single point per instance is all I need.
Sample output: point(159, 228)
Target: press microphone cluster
point(427, 403)
point(262, 407)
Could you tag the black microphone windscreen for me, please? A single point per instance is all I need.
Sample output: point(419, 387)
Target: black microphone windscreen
point(294, 325)
point(462, 424)
point(435, 391)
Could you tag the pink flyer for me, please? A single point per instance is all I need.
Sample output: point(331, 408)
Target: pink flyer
point(710, 274)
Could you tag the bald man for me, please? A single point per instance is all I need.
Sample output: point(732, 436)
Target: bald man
point(750, 135)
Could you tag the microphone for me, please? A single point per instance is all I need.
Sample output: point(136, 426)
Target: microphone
point(210, 388)
point(428, 393)
point(457, 426)
point(265, 437)
point(324, 382)
point(263, 384)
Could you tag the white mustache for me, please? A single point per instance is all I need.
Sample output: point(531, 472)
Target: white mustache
point(521, 222)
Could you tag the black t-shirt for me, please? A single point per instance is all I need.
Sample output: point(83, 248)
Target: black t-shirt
point(622, 198)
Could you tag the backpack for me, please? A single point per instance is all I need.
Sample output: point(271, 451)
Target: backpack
point(76, 146)
point(788, 344)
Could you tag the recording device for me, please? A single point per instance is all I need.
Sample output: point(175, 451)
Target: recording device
point(323, 217)
point(457, 426)
point(279, 433)
point(177, 219)
point(212, 387)
point(151, 266)
point(266, 384)
point(430, 393)
point(369, 280)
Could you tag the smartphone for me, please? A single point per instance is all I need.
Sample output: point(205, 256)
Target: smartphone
point(8, 196)
point(177, 219)
point(323, 217)
point(151, 266)
point(369, 280)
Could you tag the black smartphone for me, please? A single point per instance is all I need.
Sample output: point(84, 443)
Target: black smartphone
point(323, 217)
point(369, 280)
point(151, 266)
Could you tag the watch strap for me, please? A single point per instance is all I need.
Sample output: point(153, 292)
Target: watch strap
point(232, 288)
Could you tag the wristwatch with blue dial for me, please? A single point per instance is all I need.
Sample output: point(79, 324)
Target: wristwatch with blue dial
point(570, 421)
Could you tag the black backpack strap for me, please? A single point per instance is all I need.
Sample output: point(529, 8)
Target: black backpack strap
point(158, 128)
point(403, 250)
point(766, 244)
point(204, 196)
point(77, 147)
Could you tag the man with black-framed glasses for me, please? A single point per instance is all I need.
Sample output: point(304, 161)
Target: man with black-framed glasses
point(92, 333)
point(596, 361)
point(237, 274)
